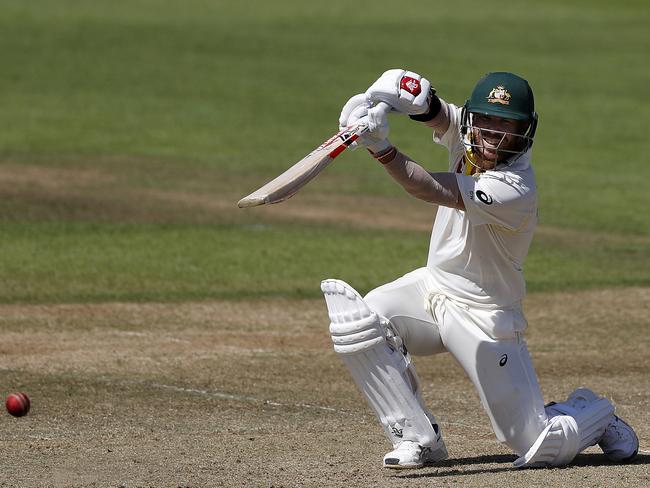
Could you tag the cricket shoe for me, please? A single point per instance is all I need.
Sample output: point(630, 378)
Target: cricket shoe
point(619, 442)
point(411, 455)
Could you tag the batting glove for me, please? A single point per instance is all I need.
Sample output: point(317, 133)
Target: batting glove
point(357, 109)
point(407, 92)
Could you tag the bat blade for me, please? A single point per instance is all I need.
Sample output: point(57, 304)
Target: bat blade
point(293, 179)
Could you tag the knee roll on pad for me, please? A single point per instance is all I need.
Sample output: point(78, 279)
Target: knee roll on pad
point(381, 371)
point(574, 425)
point(357, 335)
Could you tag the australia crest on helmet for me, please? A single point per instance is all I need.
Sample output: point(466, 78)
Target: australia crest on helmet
point(500, 95)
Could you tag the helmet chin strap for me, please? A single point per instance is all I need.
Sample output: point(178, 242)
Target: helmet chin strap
point(472, 157)
point(471, 160)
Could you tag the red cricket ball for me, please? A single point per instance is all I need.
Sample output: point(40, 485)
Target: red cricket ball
point(17, 404)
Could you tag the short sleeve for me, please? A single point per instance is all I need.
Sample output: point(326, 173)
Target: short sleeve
point(451, 138)
point(501, 199)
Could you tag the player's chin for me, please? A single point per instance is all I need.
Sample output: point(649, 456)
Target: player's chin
point(488, 158)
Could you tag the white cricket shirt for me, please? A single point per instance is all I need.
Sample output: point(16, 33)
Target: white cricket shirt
point(476, 255)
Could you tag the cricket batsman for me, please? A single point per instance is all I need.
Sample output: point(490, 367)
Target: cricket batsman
point(467, 299)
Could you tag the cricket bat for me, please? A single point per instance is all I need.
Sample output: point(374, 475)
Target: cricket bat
point(288, 183)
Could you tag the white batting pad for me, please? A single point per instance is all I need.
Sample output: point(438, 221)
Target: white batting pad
point(574, 425)
point(382, 372)
point(592, 413)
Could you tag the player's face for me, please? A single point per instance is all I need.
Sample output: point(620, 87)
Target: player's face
point(493, 135)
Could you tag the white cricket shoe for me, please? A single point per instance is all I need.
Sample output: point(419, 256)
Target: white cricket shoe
point(619, 442)
point(411, 455)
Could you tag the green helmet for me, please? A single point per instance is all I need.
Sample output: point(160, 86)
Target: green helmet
point(504, 95)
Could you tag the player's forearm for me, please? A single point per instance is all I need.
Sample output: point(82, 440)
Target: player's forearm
point(437, 117)
point(438, 188)
point(440, 123)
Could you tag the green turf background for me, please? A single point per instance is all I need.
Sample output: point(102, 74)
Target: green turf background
point(216, 96)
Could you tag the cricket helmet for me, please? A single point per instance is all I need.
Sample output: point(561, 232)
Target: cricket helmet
point(505, 95)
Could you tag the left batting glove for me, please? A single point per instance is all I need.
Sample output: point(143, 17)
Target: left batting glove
point(407, 92)
point(357, 109)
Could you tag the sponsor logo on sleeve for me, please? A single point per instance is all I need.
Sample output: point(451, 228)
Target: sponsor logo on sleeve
point(482, 196)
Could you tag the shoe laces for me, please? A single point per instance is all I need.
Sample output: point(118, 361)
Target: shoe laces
point(409, 446)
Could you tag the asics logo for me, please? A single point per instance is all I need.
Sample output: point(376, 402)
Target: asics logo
point(503, 360)
point(411, 85)
point(482, 196)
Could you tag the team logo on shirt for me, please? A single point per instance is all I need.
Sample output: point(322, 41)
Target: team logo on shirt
point(499, 95)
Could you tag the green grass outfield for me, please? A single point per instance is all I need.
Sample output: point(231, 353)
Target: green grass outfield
point(212, 98)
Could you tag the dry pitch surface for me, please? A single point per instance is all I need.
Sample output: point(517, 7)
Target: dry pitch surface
point(251, 394)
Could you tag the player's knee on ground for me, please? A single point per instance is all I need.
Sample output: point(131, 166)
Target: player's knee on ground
point(504, 377)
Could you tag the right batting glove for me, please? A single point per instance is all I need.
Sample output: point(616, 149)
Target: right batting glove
point(407, 92)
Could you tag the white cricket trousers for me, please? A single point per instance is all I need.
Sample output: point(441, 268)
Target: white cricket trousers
point(487, 342)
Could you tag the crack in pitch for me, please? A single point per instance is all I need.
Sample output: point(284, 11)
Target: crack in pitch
point(240, 398)
point(244, 398)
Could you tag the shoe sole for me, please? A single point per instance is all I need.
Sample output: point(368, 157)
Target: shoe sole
point(396, 465)
point(440, 455)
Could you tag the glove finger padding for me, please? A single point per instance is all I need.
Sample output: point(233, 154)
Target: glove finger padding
point(376, 139)
point(354, 109)
point(405, 91)
point(358, 110)
point(378, 121)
